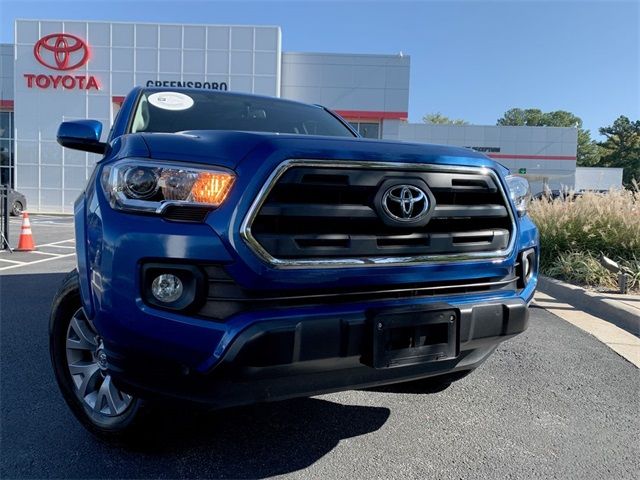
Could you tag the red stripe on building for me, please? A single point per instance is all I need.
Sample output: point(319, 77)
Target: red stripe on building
point(6, 104)
point(531, 157)
point(372, 115)
point(116, 99)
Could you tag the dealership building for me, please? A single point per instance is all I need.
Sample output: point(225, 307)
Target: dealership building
point(67, 70)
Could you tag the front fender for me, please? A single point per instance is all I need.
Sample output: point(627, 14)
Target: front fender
point(83, 271)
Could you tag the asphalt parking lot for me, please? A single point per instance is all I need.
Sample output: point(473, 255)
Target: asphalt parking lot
point(54, 238)
point(552, 403)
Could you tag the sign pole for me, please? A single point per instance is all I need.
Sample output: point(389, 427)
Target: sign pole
point(4, 232)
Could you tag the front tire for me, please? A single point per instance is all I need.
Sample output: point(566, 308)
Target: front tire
point(17, 208)
point(81, 369)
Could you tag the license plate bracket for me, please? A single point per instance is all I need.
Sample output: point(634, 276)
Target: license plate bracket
point(412, 336)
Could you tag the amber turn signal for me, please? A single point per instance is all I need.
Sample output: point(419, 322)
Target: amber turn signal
point(212, 188)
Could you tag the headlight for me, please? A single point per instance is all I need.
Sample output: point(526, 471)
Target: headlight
point(140, 185)
point(520, 192)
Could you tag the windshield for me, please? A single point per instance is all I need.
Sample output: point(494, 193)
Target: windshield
point(174, 111)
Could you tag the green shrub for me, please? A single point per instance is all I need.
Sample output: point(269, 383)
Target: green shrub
point(585, 269)
point(574, 232)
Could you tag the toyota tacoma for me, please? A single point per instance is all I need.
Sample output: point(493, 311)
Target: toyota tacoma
point(234, 248)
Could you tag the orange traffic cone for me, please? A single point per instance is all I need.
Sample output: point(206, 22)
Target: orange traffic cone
point(25, 242)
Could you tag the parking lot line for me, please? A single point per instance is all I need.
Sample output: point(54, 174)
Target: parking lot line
point(48, 259)
point(45, 253)
point(59, 242)
point(43, 223)
point(12, 261)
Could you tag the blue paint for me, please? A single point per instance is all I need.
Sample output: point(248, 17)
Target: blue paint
point(113, 244)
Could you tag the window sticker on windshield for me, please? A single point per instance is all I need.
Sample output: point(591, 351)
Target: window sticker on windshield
point(171, 100)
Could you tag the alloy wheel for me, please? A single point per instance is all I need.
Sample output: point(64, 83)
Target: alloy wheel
point(17, 209)
point(88, 367)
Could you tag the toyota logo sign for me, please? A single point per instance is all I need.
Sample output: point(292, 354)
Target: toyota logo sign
point(405, 203)
point(64, 52)
point(61, 51)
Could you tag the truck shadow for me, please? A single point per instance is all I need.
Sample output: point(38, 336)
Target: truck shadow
point(423, 386)
point(252, 442)
point(41, 438)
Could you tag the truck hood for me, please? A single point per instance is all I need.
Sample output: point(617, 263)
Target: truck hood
point(229, 148)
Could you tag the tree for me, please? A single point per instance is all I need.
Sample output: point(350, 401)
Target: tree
point(588, 150)
point(519, 117)
point(622, 147)
point(439, 119)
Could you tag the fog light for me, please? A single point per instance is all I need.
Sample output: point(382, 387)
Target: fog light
point(167, 288)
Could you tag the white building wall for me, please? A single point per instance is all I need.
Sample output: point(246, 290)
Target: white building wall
point(391, 129)
point(598, 178)
point(352, 82)
point(547, 153)
point(246, 58)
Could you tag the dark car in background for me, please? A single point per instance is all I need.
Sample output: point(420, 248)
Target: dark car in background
point(17, 203)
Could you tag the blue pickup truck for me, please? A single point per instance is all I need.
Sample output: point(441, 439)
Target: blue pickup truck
point(234, 249)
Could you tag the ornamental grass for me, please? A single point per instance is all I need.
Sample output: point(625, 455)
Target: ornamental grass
point(576, 230)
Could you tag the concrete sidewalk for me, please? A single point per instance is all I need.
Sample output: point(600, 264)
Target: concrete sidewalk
point(621, 310)
point(631, 301)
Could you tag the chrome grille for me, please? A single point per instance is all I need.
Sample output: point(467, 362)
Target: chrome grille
point(314, 212)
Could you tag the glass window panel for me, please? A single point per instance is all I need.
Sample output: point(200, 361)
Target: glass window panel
point(6, 176)
point(369, 130)
point(5, 125)
point(5, 153)
point(6, 162)
point(215, 111)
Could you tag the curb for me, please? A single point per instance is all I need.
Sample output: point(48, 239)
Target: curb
point(594, 303)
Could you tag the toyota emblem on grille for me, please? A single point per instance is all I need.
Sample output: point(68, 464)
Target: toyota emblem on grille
point(405, 203)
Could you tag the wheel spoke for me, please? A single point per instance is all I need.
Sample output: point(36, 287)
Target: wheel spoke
point(105, 394)
point(86, 337)
point(97, 406)
point(74, 344)
point(114, 398)
point(88, 371)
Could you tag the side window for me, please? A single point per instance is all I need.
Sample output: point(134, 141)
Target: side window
point(310, 128)
point(115, 119)
point(116, 106)
point(141, 117)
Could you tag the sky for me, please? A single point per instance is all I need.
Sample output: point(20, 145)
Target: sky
point(470, 59)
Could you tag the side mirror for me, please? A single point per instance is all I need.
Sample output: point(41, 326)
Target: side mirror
point(82, 135)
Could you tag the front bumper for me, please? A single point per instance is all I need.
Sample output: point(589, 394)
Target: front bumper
point(293, 357)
